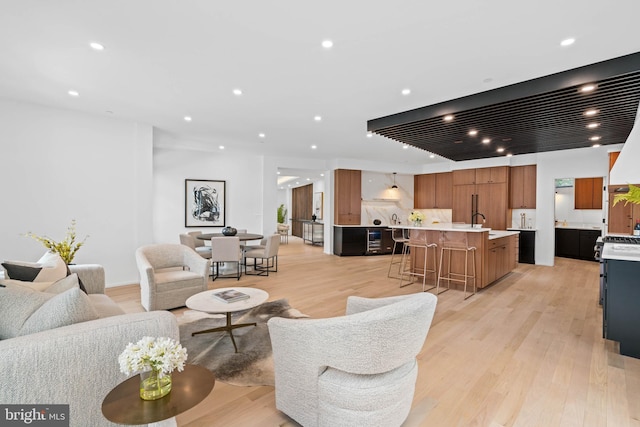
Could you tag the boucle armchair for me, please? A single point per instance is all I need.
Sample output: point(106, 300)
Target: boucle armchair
point(169, 274)
point(356, 370)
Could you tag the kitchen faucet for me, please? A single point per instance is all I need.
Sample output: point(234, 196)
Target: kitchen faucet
point(394, 218)
point(474, 216)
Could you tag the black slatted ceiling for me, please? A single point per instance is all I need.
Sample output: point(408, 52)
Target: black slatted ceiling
point(547, 121)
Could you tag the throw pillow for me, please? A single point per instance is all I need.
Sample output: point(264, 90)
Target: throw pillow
point(65, 284)
point(21, 271)
point(24, 311)
point(79, 281)
point(69, 307)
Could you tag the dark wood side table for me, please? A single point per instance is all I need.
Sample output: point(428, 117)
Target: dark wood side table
point(123, 404)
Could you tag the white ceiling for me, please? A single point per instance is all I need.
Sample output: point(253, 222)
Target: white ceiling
point(164, 60)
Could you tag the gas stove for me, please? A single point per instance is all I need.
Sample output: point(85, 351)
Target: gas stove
point(626, 240)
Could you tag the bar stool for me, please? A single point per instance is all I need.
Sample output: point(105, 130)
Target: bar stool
point(399, 236)
point(418, 239)
point(457, 242)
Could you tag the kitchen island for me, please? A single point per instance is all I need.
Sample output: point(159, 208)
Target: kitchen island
point(496, 250)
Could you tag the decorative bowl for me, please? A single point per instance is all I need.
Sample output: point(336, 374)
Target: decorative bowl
point(229, 231)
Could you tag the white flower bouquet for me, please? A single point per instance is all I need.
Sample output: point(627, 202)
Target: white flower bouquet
point(416, 216)
point(163, 355)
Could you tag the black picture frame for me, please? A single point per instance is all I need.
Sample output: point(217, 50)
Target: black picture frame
point(204, 203)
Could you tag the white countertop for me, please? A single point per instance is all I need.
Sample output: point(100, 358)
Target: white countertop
point(442, 226)
point(521, 229)
point(496, 234)
point(621, 251)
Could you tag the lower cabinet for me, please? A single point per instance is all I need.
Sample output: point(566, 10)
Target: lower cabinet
point(500, 258)
point(621, 305)
point(576, 243)
point(349, 241)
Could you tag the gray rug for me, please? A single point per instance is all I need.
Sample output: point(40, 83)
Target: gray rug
point(253, 364)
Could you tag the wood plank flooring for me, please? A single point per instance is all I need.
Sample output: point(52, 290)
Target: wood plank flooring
point(526, 351)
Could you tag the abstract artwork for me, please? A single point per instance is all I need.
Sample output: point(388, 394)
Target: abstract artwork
point(204, 203)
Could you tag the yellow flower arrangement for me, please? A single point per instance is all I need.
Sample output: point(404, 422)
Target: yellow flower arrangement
point(66, 248)
point(632, 196)
point(416, 217)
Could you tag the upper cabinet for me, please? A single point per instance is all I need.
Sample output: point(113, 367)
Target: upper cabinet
point(588, 193)
point(433, 191)
point(522, 187)
point(348, 197)
point(464, 176)
point(493, 175)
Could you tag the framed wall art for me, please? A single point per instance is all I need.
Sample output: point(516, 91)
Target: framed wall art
point(204, 203)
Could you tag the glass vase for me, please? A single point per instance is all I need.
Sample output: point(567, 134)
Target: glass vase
point(152, 386)
point(417, 223)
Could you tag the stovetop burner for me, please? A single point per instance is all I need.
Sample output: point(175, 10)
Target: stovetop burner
point(629, 240)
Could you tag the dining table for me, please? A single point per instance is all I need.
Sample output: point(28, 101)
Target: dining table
point(242, 236)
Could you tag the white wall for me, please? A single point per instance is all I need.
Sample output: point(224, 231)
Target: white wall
point(244, 190)
point(60, 165)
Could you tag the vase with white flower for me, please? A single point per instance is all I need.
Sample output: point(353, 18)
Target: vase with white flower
point(154, 359)
point(416, 218)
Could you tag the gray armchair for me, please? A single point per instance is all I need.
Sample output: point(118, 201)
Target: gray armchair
point(355, 370)
point(169, 274)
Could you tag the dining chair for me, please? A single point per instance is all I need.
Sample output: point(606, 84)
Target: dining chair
point(268, 256)
point(223, 250)
point(197, 245)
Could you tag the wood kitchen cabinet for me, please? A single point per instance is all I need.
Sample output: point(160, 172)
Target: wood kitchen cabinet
point(588, 193)
point(493, 197)
point(622, 218)
point(493, 175)
point(348, 196)
point(433, 191)
point(522, 187)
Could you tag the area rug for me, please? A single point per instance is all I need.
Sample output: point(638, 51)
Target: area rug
point(253, 364)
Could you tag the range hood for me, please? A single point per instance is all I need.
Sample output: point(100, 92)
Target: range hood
point(626, 169)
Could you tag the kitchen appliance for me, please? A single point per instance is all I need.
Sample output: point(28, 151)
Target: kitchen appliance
point(374, 241)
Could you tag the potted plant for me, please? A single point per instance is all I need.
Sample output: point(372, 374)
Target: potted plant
point(282, 214)
point(66, 248)
point(632, 196)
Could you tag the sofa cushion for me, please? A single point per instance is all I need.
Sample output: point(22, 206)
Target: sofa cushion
point(64, 284)
point(25, 311)
point(104, 306)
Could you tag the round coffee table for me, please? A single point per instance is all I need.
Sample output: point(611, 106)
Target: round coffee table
point(206, 302)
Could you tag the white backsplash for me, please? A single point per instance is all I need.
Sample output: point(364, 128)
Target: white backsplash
point(380, 201)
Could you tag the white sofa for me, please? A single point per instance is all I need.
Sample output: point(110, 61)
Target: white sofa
point(77, 364)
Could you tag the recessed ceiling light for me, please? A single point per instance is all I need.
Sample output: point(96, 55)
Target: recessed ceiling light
point(308, 179)
point(432, 156)
point(369, 134)
point(321, 174)
point(500, 150)
point(327, 44)
point(96, 46)
point(406, 92)
point(567, 42)
point(317, 118)
point(486, 141)
point(187, 118)
point(73, 93)
point(237, 92)
point(313, 147)
point(448, 117)
point(221, 147)
point(261, 135)
point(588, 88)
point(594, 138)
point(473, 132)
point(596, 145)
point(278, 172)
point(405, 146)
point(591, 112)
point(593, 125)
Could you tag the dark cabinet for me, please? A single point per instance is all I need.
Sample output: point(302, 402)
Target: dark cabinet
point(575, 243)
point(621, 313)
point(527, 247)
point(349, 241)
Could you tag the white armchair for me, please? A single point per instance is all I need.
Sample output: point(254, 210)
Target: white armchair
point(356, 370)
point(169, 274)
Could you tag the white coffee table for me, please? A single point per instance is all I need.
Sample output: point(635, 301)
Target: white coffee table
point(206, 302)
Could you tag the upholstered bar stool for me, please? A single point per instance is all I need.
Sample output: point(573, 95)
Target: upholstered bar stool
point(457, 242)
point(399, 237)
point(418, 240)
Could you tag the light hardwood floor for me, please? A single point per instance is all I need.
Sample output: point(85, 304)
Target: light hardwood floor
point(527, 351)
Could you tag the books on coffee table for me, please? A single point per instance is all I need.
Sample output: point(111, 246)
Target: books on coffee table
point(230, 295)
